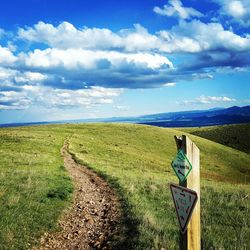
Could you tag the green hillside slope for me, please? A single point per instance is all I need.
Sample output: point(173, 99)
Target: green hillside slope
point(34, 186)
point(235, 136)
point(135, 159)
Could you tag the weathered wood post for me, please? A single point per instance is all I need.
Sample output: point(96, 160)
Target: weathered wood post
point(191, 239)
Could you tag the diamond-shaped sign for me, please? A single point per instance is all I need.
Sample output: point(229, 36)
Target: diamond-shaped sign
point(181, 165)
point(184, 201)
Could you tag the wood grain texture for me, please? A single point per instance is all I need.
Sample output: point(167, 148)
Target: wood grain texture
point(191, 239)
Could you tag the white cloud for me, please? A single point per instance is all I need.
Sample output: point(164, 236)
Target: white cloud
point(5, 73)
point(6, 56)
point(13, 100)
point(169, 84)
point(193, 37)
point(196, 36)
point(209, 100)
point(176, 8)
point(131, 58)
point(30, 77)
point(66, 36)
point(14, 80)
point(56, 98)
point(90, 59)
point(79, 68)
point(139, 39)
point(59, 98)
point(237, 10)
point(20, 90)
point(212, 99)
point(77, 61)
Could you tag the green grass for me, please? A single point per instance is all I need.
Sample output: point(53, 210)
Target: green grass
point(235, 136)
point(135, 159)
point(34, 186)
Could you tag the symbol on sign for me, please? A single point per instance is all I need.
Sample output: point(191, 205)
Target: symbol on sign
point(184, 201)
point(180, 172)
point(181, 165)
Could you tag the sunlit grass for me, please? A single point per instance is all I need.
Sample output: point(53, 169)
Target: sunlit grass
point(34, 186)
point(135, 159)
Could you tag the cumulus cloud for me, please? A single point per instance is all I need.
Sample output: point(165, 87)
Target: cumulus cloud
point(100, 57)
point(78, 68)
point(20, 90)
point(176, 8)
point(196, 36)
point(82, 61)
point(29, 77)
point(66, 36)
point(75, 98)
point(56, 98)
point(237, 10)
point(14, 100)
point(211, 45)
point(73, 59)
point(6, 56)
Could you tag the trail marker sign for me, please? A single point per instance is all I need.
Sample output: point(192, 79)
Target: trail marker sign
point(184, 201)
point(181, 165)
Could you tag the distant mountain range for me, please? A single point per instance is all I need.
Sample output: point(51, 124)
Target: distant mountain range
point(195, 118)
point(198, 118)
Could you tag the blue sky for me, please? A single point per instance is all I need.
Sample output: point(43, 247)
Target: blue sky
point(87, 59)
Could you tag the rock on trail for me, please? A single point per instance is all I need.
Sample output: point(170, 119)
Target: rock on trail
point(94, 216)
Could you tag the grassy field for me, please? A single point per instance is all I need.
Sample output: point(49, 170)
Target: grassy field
point(235, 136)
point(135, 159)
point(34, 186)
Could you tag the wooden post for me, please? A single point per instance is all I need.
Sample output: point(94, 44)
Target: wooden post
point(191, 239)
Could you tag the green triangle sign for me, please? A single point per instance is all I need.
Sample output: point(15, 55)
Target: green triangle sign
point(181, 165)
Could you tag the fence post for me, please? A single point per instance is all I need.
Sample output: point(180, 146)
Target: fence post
point(191, 239)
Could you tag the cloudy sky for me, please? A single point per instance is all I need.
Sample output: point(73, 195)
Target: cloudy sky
point(71, 59)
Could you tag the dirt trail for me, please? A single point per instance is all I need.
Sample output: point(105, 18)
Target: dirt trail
point(94, 216)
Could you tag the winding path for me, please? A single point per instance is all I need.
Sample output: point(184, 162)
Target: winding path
point(93, 219)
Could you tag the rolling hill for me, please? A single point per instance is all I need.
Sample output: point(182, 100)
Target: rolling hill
point(135, 159)
point(235, 136)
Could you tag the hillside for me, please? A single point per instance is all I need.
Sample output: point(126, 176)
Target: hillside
point(135, 159)
point(235, 136)
point(34, 186)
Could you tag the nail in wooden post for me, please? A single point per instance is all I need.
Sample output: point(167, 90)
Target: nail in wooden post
point(191, 239)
